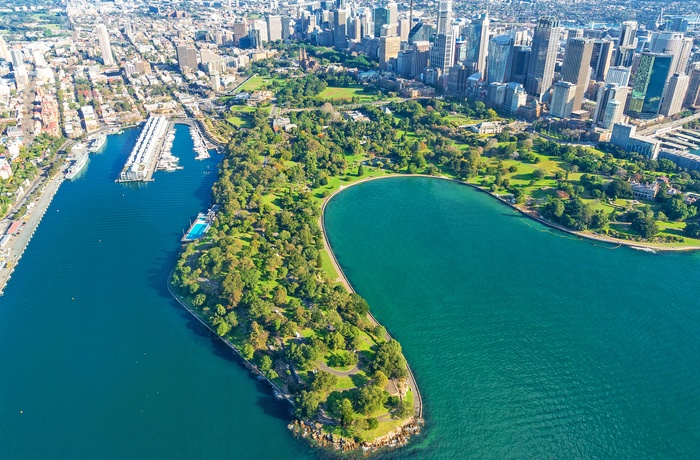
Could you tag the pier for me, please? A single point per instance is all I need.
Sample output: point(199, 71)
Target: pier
point(144, 156)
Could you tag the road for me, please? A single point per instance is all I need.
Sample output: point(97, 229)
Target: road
point(19, 242)
point(670, 124)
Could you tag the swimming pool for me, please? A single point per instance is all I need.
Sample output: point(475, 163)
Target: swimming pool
point(197, 230)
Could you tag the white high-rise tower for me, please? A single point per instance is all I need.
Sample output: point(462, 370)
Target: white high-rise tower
point(105, 47)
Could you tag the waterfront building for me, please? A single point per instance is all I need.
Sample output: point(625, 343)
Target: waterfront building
point(563, 99)
point(545, 44)
point(105, 47)
point(576, 68)
point(674, 94)
point(648, 89)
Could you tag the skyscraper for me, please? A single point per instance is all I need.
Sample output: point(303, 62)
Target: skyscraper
point(619, 75)
point(4, 52)
point(576, 68)
point(600, 59)
point(500, 58)
point(442, 55)
point(692, 97)
point(477, 34)
point(105, 47)
point(563, 99)
point(673, 44)
point(674, 94)
point(648, 89)
point(385, 15)
point(606, 94)
point(340, 29)
point(389, 47)
point(545, 44)
point(186, 57)
point(274, 27)
point(628, 33)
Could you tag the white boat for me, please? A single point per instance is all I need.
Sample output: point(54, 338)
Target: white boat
point(97, 143)
point(78, 164)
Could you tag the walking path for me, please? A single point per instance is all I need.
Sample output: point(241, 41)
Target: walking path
point(324, 367)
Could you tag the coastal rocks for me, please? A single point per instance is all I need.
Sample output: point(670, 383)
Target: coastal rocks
point(315, 435)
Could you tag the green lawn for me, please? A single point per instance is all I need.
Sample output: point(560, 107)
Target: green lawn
point(253, 84)
point(334, 93)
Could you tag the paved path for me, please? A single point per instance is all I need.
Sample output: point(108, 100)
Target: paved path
point(330, 370)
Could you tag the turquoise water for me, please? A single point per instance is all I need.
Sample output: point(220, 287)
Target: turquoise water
point(525, 343)
point(96, 359)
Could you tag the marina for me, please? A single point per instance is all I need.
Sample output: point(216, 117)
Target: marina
point(200, 145)
point(168, 161)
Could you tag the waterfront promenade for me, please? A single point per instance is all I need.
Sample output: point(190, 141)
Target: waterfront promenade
point(19, 242)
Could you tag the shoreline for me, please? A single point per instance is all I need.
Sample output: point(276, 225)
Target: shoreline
point(527, 212)
point(411, 380)
point(21, 240)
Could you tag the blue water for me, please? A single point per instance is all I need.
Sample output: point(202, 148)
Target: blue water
point(96, 359)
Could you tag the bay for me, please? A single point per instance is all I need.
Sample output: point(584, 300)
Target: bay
point(525, 342)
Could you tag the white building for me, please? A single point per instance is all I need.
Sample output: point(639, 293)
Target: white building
point(105, 47)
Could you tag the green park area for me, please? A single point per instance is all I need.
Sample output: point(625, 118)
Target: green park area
point(357, 93)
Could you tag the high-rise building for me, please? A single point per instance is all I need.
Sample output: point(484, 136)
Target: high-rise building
point(545, 44)
point(340, 29)
point(421, 55)
point(4, 52)
point(576, 68)
point(404, 29)
point(606, 94)
point(17, 58)
point(563, 99)
point(674, 94)
point(618, 75)
point(389, 47)
point(442, 55)
point(500, 59)
point(186, 57)
point(385, 15)
point(613, 113)
point(519, 65)
point(648, 89)
point(600, 59)
point(105, 47)
point(628, 33)
point(274, 27)
point(477, 34)
point(215, 81)
point(673, 44)
point(624, 56)
point(692, 97)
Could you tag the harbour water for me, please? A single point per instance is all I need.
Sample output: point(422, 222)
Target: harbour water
point(96, 359)
point(525, 343)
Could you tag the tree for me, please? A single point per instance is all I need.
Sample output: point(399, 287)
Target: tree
point(404, 409)
point(248, 351)
point(370, 398)
point(645, 226)
point(692, 230)
point(360, 170)
point(344, 411)
point(539, 174)
point(323, 381)
point(307, 403)
point(390, 360)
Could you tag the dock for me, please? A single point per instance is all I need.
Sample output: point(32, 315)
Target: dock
point(144, 156)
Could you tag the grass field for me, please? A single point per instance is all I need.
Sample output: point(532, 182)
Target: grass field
point(333, 93)
point(254, 84)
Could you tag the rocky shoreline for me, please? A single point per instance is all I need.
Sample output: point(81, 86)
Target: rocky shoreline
point(313, 432)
